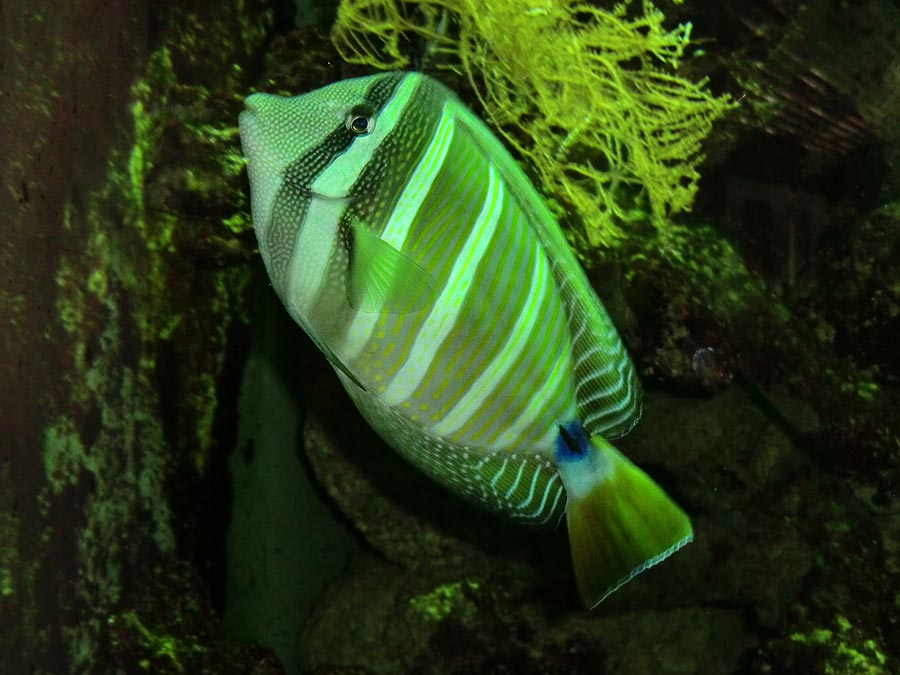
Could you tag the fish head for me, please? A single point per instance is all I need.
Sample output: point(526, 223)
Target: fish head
point(342, 149)
point(279, 132)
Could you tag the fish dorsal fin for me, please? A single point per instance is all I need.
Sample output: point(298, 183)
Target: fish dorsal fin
point(608, 393)
point(607, 389)
point(383, 280)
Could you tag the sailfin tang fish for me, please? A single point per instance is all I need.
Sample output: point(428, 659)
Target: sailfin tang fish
point(405, 240)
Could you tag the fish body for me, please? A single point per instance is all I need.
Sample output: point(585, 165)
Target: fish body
point(405, 240)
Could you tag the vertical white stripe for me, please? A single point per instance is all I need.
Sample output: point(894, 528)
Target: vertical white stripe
point(495, 373)
point(402, 217)
point(512, 488)
point(547, 488)
point(345, 170)
point(449, 305)
point(559, 493)
point(319, 230)
point(312, 251)
point(534, 479)
point(552, 389)
point(419, 185)
point(499, 474)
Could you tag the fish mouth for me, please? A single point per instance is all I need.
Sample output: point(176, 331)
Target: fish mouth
point(248, 129)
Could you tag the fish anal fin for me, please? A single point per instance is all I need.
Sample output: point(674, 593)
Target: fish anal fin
point(523, 486)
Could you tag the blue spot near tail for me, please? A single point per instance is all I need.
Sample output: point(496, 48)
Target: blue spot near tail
point(572, 443)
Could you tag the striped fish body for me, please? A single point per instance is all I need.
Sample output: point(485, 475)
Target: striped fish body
point(405, 240)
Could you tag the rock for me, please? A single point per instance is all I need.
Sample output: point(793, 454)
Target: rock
point(406, 622)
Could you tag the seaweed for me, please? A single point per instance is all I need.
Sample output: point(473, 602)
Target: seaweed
point(591, 99)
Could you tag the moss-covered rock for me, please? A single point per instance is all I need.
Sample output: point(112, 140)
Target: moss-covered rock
point(118, 372)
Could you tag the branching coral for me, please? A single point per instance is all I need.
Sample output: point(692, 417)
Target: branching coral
point(590, 98)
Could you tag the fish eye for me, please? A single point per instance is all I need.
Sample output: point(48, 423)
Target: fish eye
point(360, 120)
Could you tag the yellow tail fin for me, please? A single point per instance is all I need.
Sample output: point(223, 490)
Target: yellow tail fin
point(620, 522)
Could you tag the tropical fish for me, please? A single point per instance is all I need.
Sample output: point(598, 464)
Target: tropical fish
point(405, 240)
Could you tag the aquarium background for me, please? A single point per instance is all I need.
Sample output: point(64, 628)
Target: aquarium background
point(184, 487)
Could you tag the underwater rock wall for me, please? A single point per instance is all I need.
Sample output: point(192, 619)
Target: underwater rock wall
point(123, 292)
point(63, 110)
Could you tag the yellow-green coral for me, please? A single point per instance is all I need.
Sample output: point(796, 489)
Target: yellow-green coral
point(161, 646)
point(444, 600)
point(849, 650)
point(589, 97)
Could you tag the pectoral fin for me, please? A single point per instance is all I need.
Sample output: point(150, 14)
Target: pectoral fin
point(382, 279)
